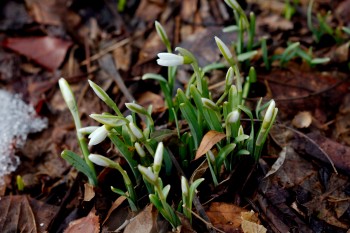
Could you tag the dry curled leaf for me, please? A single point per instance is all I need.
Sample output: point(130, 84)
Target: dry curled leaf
point(302, 120)
point(86, 224)
point(279, 162)
point(250, 223)
point(208, 141)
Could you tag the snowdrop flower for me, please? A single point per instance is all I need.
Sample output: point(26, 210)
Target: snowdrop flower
point(88, 129)
point(233, 116)
point(184, 186)
point(140, 150)
point(100, 160)
point(269, 112)
point(136, 131)
point(67, 95)
point(147, 174)
point(170, 59)
point(98, 135)
point(158, 158)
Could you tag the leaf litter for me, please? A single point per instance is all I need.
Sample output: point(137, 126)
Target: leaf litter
point(301, 192)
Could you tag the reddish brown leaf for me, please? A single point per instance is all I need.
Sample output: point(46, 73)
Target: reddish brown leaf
point(208, 141)
point(48, 52)
point(86, 224)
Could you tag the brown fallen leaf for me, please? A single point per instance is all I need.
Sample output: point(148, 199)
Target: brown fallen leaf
point(302, 119)
point(208, 141)
point(86, 224)
point(144, 222)
point(47, 51)
point(226, 217)
point(89, 192)
point(46, 11)
point(250, 223)
point(23, 214)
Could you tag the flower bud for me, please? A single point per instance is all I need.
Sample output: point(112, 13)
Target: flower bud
point(136, 131)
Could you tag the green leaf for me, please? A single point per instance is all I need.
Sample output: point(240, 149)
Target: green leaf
point(224, 152)
point(247, 55)
point(118, 191)
point(79, 164)
point(127, 154)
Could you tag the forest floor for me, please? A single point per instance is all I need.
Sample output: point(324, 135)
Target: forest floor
point(299, 184)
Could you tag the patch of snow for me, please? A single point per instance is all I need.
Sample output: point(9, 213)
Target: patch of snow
point(17, 120)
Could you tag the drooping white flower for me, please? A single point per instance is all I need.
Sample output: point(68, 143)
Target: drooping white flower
point(147, 174)
point(98, 135)
point(136, 131)
point(170, 59)
point(140, 150)
point(67, 94)
point(233, 116)
point(88, 129)
point(99, 160)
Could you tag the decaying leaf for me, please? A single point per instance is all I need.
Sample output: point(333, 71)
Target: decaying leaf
point(279, 162)
point(144, 222)
point(24, 214)
point(89, 192)
point(86, 224)
point(302, 120)
point(200, 170)
point(226, 217)
point(47, 51)
point(208, 141)
point(250, 223)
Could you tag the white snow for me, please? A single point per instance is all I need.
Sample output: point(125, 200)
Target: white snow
point(17, 120)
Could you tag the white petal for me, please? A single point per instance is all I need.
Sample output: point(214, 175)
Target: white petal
point(98, 136)
point(98, 159)
point(270, 111)
point(135, 130)
point(88, 129)
point(233, 116)
point(158, 156)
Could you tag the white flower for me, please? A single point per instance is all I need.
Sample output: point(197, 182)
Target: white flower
point(88, 129)
point(223, 48)
point(233, 116)
point(98, 135)
point(99, 160)
point(184, 186)
point(135, 130)
point(158, 156)
point(67, 93)
point(147, 174)
point(169, 59)
point(139, 150)
point(269, 112)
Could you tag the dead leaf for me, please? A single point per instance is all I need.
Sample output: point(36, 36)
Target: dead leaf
point(149, 98)
point(250, 223)
point(279, 162)
point(46, 11)
point(114, 206)
point(20, 214)
point(226, 217)
point(48, 52)
point(200, 170)
point(302, 120)
point(208, 141)
point(89, 192)
point(144, 222)
point(86, 224)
